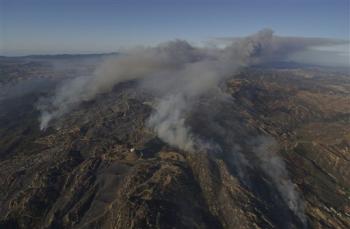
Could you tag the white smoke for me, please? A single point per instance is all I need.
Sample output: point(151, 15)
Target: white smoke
point(266, 149)
point(169, 122)
point(179, 74)
point(175, 67)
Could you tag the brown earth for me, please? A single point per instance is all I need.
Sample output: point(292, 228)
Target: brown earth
point(100, 166)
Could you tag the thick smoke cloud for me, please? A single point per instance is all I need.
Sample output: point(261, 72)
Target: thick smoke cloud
point(169, 122)
point(175, 67)
point(316, 51)
point(179, 74)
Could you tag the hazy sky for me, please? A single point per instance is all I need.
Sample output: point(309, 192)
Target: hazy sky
point(83, 26)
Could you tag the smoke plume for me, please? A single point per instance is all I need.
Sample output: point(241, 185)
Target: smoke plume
point(169, 122)
point(179, 74)
point(266, 149)
point(175, 67)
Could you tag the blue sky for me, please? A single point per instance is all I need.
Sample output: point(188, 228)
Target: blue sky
point(87, 26)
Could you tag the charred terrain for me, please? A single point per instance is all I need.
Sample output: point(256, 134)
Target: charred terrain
point(283, 158)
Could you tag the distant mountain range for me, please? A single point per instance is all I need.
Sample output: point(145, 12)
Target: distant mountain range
point(61, 56)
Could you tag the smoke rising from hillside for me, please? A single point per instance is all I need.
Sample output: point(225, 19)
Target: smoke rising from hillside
point(175, 66)
point(266, 149)
point(179, 73)
point(169, 122)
